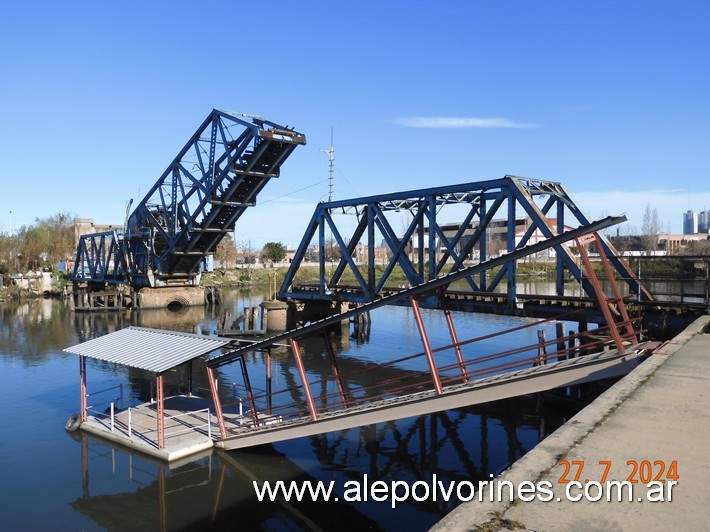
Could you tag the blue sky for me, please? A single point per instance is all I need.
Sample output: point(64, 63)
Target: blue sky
point(608, 97)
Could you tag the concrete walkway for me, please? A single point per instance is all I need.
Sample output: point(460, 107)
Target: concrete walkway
point(656, 413)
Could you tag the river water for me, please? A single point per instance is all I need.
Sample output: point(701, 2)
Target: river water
point(55, 480)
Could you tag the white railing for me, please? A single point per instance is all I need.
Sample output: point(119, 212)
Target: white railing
point(128, 427)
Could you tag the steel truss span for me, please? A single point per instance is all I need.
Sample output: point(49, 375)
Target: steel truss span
point(359, 243)
point(213, 180)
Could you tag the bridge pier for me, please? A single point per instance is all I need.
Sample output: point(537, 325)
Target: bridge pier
point(312, 311)
point(183, 296)
point(277, 314)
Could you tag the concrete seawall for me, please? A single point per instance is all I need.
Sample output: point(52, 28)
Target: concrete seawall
point(658, 414)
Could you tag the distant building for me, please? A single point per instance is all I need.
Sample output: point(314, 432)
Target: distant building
point(690, 223)
point(696, 222)
point(85, 226)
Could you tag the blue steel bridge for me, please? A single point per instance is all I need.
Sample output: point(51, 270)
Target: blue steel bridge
point(413, 235)
point(497, 224)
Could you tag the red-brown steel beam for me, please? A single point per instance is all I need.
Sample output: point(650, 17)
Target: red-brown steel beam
point(617, 294)
point(216, 401)
point(601, 297)
point(427, 347)
point(161, 410)
point(304, 379)
point(454, 337)
point(334, 368)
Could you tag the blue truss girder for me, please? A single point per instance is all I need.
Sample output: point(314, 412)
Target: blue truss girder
point(100, 258)
point(212, 181)
point(424, 233)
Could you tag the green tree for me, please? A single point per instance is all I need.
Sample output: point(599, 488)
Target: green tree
point(274, 251)
point(46, 242)
point(226, 252)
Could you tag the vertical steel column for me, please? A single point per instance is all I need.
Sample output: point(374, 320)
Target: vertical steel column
point(483, 245)
point(334, 368)
point(420, 241)
point(161, 410)
point(511, 266)
point(216, 401)
point(321, 254)
point(617, 294)
point(601, 298)
point(371, 245)
point(454, 337)
point(82, 387)
point(304, 379)
point(559, 258)
point(431, 200)
point(427, 347)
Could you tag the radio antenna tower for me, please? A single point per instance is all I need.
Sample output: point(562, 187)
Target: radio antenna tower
point(331, 152)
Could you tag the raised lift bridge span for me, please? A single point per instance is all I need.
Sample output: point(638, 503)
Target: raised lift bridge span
point(197, 200)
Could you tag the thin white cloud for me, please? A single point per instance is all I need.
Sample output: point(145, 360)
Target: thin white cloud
point(454, 122)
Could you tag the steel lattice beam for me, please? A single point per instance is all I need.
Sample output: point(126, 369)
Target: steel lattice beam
point(213, 180)
point(425, 249)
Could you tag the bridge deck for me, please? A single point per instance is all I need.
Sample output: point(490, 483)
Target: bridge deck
point(553, 375)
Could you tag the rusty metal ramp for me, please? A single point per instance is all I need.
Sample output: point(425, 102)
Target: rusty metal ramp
point(511, 384)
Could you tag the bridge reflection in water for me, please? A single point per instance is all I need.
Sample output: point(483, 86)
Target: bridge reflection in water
point(215, 491)
point(462, 372)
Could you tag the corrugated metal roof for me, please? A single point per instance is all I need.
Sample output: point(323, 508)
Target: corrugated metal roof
point(153, 350)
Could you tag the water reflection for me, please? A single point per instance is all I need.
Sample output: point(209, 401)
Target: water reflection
point(216, 491)
point(88, 484)
point(31, 329)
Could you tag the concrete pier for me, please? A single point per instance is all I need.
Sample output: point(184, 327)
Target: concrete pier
point(276, 315)
point(657, 414)
point(184, 296)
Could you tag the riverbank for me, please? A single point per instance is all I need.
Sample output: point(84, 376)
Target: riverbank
point(264, 274)
point(655, 414)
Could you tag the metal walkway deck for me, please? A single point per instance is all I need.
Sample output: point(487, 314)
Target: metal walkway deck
point(526, 381)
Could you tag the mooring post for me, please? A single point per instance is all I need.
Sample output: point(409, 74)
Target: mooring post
point(427, 347)
point(541, 348)
point(560, 334)
point(572, 344)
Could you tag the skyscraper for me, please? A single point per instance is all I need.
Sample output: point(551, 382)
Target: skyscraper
point(690, 223)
